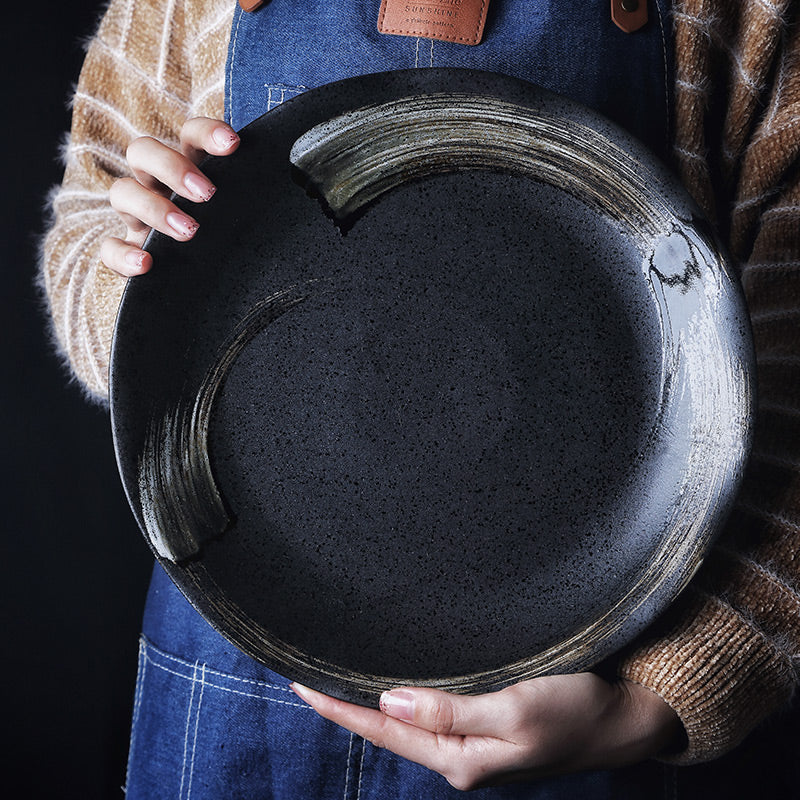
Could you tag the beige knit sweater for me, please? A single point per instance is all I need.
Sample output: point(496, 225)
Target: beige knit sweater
point(727, 654)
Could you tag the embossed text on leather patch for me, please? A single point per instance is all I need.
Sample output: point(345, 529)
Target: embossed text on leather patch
point(459, 21)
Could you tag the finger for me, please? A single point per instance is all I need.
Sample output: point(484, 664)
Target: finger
point(125, 258)
point(449, 714)
point(200, 136)
point(141, 209)
point(161, 169)
point(416, 744)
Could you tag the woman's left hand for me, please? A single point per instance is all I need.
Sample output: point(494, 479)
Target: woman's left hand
point(544, 726)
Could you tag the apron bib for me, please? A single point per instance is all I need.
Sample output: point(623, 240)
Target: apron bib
point(574, 49)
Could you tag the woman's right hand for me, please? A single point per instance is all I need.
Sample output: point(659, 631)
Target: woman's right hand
point(142, 201)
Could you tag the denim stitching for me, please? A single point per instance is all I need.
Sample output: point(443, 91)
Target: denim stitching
point(170, 671)
point(432, 42)
point(230, 71)
point(289, 87)
point(186, 733)
point(416, 54)
point(666, 70)
point(284, 89)
point(137, 704)
point(139, 682)
point(361, 767)
point(347, 772)
point(196, 725)
point(150, 646)
point(260, 697)
point(233, 691)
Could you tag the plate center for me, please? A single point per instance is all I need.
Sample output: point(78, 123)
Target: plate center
point(443, 438)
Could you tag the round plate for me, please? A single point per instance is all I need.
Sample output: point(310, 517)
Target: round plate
point(452, 387)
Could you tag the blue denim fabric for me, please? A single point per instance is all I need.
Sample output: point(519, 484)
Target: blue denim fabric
point(209, 722)
point(569, 47)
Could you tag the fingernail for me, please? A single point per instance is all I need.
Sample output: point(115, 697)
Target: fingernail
point(134, 259)
point(199, 186)
point(184, 226)
point(303, 692)
point(224, 137)
point(398, 703)
point(298, 688)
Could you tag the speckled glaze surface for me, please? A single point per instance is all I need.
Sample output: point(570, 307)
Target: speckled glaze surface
point(453, 387)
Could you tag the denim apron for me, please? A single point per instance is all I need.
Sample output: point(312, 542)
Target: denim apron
point(208, 721)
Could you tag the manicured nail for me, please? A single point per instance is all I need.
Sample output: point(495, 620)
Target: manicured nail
point(224, 137)
point(300, 690)
point(184, 226)
point(199, 187)
point(398, 703)
point(134, 259)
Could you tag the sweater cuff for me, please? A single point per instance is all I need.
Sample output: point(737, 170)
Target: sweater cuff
point(719, 673)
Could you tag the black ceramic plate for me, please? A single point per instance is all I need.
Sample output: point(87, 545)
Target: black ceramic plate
point(452, 387)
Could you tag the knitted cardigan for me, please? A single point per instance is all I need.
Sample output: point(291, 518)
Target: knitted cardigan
point(726, 654)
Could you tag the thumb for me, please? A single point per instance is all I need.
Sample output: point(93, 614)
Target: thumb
point(444, 713)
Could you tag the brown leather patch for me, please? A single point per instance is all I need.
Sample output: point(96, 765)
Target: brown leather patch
point(459, 21)
point(629, 15)
point(250, 5)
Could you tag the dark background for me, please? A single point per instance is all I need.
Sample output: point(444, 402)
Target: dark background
point(74, 566)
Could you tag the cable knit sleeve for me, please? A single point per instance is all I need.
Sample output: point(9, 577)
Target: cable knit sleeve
point(728, 653)
point(146, 71)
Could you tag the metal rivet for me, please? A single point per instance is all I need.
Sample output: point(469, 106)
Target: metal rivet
point(629, 5)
